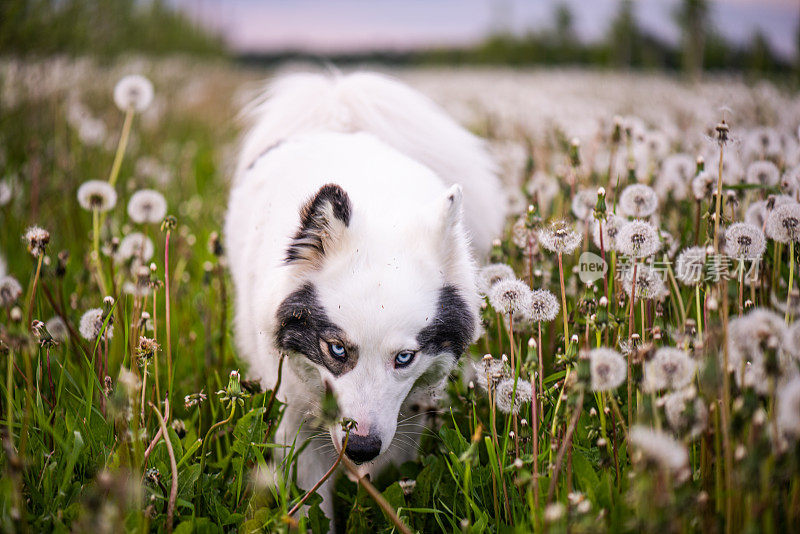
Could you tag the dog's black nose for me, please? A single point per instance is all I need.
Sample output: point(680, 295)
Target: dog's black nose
point(362, 449)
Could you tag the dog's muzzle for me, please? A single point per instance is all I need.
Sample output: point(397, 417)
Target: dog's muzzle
point(362, 449)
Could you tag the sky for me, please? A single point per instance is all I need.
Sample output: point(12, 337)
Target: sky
point(361, 25)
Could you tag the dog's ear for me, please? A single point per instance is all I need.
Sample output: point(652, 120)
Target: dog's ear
point(449, 223)
point(323, 221)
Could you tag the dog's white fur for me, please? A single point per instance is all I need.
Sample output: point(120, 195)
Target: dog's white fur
point(398, 157)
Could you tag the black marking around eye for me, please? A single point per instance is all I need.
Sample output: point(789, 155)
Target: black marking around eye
point(315, 227)
point(452, 328)
point(303, 324)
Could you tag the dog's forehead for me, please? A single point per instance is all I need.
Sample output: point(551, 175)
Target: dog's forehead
point(381, 304)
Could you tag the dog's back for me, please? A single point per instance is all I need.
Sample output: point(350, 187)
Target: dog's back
point(397, 115)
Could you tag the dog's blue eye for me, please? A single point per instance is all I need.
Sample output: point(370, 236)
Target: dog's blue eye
point(404, 358)
point(337, 350)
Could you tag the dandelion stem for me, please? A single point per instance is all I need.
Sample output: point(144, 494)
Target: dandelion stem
point(791, 282)
point(699, 311)
point(563, 304)
point(33, 291)
point(169, 329)
point(325, 477)
point(208, 434)
point(173, 490)
point(565, 444)
point(719, 202)
point(123, 143)
point(377, 497)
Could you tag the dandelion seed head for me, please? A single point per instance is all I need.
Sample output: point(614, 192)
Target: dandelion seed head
point(134, 245)
point(57, 328)
point(638, 239)
point(491, 371)
point(583, 203)
point(649, 283)
point(787, 408)
point(704, 185)
point(783, 223)
point(559, 237)
point(669, 368)
point(610, 226)
point(505, 399)
point(10, 291)
point(744, 241)
point(97, 195)
point(686, 413)
point(91, 325)
point(36, 239)
point(763, 172)
point(689, 265)
point(638, 200)
point(5, 193)
point(608, 369)
point(544, 306)
point(522, 235)
point(749, 336)
point(510, 296)
point(490, 274)
point(660, 448)
point(147, 206)
point(133, 92)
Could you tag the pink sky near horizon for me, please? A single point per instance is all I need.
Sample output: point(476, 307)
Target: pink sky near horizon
point(359, 25)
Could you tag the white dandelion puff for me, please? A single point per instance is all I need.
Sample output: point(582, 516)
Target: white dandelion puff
point(744, 241)
point(660, 448)
point(649, 283)
point(509, 401)
point(559, 237)
point(787, 408)
point(544, 306)
point(10, 291)
point(91, 325)
point(583, 203)
point(763, 173)
point(749, 336)
point(97, 195)
point(510, 296)
point(791, 340)
point(638, 200)
point(147, 206)
point(134, 245)
point(57, 328)
point(608, 369)
point(783, 222)
point(37, 239)
point(638, 239)
point(5, 193)
point(133, 92)
point(669, 368)
point(490, 274)
point(704, 185)
point(611, 226)
point(686, 413)
point(491, 370)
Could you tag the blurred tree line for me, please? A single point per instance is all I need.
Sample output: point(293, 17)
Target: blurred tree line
point(627, 45)
point(100, 27)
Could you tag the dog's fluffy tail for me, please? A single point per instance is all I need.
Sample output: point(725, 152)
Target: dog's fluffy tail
point(394, 113)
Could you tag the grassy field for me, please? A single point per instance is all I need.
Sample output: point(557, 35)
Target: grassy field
point(679, 412)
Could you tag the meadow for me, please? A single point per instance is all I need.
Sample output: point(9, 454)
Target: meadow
point(658, 393)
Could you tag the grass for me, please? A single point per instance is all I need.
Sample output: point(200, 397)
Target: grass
point(82, 452)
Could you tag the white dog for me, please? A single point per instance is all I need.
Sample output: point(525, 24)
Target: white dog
point(350, 254)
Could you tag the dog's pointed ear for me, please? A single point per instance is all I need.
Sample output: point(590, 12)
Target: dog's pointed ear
point(450, 211)
point(450, 230)
point(323, 222)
